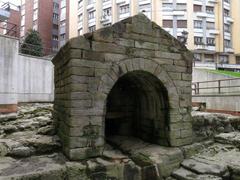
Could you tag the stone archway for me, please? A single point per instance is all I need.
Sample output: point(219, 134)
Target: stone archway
point(137, 105)
point(91, 69)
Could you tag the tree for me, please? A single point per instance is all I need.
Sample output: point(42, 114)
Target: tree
point(32, 44)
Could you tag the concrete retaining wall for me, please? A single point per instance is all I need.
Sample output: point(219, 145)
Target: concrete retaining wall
point(229, 100)
point(23, 78)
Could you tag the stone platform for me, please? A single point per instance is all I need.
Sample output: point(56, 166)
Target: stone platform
point(30, 150)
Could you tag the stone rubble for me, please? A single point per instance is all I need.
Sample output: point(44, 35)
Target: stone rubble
point(32, 132)
point(29, 149)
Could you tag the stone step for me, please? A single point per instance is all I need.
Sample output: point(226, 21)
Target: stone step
point(232, 138)
point(202, 166)
point(184, 174)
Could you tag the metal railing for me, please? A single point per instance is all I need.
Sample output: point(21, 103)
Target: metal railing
point(35, 50)
point(9, 29)
point(220, 86)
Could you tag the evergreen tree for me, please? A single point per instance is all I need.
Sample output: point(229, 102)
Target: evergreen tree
point(32, 44)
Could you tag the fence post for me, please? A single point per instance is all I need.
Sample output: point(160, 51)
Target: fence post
point(197, 87)
point(219, 86)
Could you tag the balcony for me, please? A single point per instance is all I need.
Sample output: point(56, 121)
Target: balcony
point(144, 2)
point(90, 6)
point(213, 1)
point(105, 19)
point(229, 19)
point(122, 1)
point(213, 31)
point(55, 21)
point(62, 30)
point(200, 47)
point(229, 50)
point(4, 14)
point(55, 32)
point(201, 14)
point(179, 13)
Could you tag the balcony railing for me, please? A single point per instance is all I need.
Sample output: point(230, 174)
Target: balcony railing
point(9, 29)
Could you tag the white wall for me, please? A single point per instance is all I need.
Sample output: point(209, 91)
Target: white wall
point(23, 78)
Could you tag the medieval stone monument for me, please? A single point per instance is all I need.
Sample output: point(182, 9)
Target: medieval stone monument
point(129, 79)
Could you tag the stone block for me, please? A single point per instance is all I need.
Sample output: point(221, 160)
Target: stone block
point(78, 43)
point(146, 45)
point(84, 153)
point(124, 42)
point(168, 55)
point(81, 71)
point(108, 47)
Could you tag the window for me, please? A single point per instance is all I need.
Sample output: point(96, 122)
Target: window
point(210, 10)
point(226, 12)
point(63, 14)
point(80, 31)
point(23, 20)
point(223, 59)
point(198, 40)
point(107, 12)
point(35, 26)
point(106, 0)
point(92, 28)
point(55, 16)
point(80, 18)
point(227, 43)
point(35, 14)
point(197, 8)
point(182, 23)
point(55, 6)
point(80, 4)
point(167, 6)
point(237, 59)
point(124, 9)
point(198, 24)
point(211, 41)
point(168, 23)
point(197, 57)
point(55, 26)
point(108, 24)
point(63, 3)
point(227, 1)
point(227, 27)
point(54, 37)
point(91, 15)
point(181, 6)
point(209, 57)
point(210, 25)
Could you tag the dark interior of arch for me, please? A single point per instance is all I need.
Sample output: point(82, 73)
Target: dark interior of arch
point(137, 105)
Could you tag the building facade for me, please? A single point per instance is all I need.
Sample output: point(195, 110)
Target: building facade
point(212, 26)
point(42, 16)
point(10, 20)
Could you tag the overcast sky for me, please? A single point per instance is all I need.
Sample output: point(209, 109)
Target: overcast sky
point(16, 2)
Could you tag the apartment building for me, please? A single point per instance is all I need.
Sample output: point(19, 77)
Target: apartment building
point(43, 16)
point(212, 26)
point(10, 19)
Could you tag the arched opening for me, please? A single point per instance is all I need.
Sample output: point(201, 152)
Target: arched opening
point(137, 105)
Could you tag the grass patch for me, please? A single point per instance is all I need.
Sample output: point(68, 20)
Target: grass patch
point(228, 73)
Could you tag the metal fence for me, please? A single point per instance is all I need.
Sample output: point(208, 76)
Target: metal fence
point(8, 29)
point(220, 86)
point(35, 50)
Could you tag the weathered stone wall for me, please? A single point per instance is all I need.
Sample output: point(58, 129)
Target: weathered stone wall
point(87, 68)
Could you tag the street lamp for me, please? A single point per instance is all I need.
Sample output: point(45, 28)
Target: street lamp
point(184, 37)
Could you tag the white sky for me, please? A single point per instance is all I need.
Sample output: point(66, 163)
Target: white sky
point(16, 2)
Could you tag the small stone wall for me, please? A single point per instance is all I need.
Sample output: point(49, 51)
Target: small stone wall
point(132, 76)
